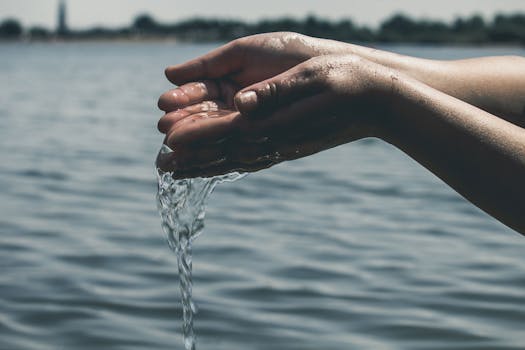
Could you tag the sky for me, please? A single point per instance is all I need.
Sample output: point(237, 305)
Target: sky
point(114, 13)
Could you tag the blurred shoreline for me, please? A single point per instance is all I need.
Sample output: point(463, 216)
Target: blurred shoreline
point(502, 29)
point(173, 40)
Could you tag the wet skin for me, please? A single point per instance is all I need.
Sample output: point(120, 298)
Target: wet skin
point(319, 104)
point(269, 98)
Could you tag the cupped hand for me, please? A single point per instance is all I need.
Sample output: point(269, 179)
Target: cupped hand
point(317, 104)
point(240, 63)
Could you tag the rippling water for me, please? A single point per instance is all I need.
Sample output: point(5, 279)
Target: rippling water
point(355, 248)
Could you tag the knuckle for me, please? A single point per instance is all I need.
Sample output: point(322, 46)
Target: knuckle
point(267, 91)
point(354, 59)
point(236, 46)
point(310, 71)
point(315, 72)
point(235, 43)
point(272, 89)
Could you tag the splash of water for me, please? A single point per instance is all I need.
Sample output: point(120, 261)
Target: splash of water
point(182, 205)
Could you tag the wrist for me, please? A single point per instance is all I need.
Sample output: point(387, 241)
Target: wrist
point(409, 103)
point(389, 101)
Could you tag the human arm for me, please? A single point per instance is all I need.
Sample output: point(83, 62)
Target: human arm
point(494, 84)
point(490, 83)
point(478, 154)
point(330, 100)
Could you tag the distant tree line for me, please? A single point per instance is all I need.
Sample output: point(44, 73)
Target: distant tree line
point(397, 28)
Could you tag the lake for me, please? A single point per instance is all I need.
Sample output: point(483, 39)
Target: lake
point(358, 247)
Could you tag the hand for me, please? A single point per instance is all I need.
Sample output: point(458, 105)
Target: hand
point(301, 103)
point(240, 63)
point(318, 104)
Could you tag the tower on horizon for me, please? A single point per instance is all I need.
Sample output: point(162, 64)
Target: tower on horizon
point(61, 23)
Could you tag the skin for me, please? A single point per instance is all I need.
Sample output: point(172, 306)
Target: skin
point(269, 98)
point(498, 90)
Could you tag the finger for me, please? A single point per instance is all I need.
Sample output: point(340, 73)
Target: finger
point(232, 155)
point(264, 97)
point(167, 121)
point(243, 158)
point(218, 63)
point(188, 94)
point(196, 92)
point(250, 156)
point(202, 128)
point(244, 154)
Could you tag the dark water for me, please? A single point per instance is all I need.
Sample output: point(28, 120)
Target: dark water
point(355, 248)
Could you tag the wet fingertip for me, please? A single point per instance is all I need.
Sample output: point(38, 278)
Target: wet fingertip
point(167, 102)
point(172, 73)
point(246, 101)
point(164, 124)
point(161, 103)
point(162, 127)
point(167, 72)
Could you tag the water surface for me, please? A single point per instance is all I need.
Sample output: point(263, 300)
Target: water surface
point(355, 248)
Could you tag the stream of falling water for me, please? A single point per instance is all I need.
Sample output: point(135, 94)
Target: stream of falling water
point(182, 205)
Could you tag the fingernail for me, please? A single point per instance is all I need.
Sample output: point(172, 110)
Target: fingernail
point(247, 101)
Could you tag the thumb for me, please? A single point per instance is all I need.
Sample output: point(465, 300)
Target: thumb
point(257, 97)
point(271, 94)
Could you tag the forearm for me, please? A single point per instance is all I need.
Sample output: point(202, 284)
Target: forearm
point(481, 156)
point(494, 84)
